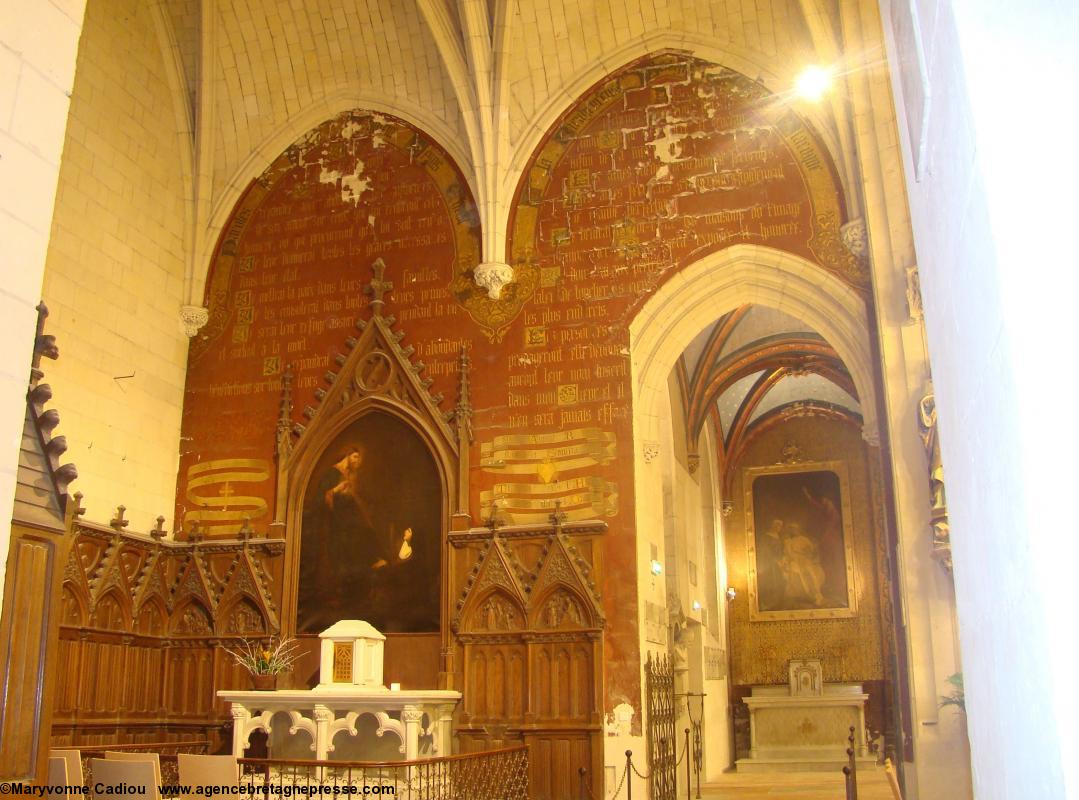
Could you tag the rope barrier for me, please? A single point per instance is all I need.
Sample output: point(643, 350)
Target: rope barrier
point(621, 783)
point(685, 749)
point(635, 772)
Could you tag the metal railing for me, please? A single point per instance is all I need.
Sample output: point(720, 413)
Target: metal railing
point(486, 775)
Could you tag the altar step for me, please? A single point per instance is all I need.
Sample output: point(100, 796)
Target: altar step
point(801, 764)
point(872, 785)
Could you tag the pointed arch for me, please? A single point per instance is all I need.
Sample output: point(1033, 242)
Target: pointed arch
point(561, 605)
point(492, 611)
point(775, 76)
point(702, 292)
point(112, 611)
point(73, 605)
point(296, 126)
point(192, 618)
point(152, 618)
point(241, 616)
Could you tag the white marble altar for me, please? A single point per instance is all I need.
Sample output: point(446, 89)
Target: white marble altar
point(350, 685)
point(804, 726)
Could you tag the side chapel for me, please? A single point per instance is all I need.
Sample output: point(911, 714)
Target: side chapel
point(569, 370)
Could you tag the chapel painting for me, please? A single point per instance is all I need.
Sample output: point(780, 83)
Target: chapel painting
point(799, 542)
point(372, 526)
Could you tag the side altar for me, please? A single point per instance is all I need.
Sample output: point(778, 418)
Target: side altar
point(804, 726)
point(350, 686)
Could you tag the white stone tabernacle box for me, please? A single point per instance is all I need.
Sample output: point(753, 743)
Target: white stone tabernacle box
point(351, 657)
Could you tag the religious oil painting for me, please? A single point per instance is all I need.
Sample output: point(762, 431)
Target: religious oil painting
point(370, 546)
point(798, 526)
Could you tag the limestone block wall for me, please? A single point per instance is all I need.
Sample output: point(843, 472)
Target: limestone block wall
point(115, 269)
point(38, 43)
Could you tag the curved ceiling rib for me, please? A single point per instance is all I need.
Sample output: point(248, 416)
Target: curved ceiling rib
point(752, 366)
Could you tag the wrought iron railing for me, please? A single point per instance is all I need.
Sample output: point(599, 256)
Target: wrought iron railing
point(487, 775)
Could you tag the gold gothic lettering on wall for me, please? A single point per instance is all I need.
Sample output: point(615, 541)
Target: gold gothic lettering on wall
point(641, 197)
point(211, 488)
point(545, 457)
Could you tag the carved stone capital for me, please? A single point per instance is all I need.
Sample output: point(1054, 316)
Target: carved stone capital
point(411, 714)
point(856, 239)
point(493, 276)
point(192, 318)
point(914, 294)
point(871, 435)
point(239, 711)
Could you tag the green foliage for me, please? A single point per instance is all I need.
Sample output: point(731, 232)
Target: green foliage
point(957, 697)
point(271, 659)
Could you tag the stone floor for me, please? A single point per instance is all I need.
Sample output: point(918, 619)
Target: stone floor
point(872, 785)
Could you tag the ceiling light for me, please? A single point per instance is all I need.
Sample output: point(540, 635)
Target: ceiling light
point(813, 83)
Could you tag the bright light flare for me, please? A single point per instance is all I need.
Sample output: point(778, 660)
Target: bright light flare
point(813, 83)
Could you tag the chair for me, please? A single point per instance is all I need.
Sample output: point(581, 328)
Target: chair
point(151, 758)
point(198, 770)
point(57, 772)
point(73, 758)
point(116, 777)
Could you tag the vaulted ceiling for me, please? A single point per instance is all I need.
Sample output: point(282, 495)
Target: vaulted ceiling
point(486, 78)
point(756, 366)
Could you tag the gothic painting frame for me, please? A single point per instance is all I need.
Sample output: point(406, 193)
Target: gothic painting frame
point(371, 547)
point(799, 541)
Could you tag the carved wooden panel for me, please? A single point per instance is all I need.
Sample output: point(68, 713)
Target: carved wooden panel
point(31, 605)
point(140, 622)
point(528, 627)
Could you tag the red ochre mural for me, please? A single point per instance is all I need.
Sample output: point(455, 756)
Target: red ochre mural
point(667, 160)
point(286, 288)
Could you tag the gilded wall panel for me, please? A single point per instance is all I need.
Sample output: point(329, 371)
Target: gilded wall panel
point(850, 649)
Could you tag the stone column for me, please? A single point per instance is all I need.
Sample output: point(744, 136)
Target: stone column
point(241, 717)
point(443, 731)
point(323, 717)
point(411, 716)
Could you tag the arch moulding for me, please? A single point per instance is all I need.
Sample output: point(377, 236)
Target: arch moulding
point(699, 294)
point(264, 154)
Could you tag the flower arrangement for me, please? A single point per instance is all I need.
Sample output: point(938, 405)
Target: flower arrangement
point(958, 697)
point(269, 659)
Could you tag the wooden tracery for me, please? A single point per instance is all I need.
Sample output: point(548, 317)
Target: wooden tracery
point(148, 615)
point(528, 628)
point(374, 373)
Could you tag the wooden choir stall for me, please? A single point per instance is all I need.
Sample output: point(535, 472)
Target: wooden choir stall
point(370, 521)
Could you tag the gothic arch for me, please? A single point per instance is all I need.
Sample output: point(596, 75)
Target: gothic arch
point(301, 469)
point(152, 618)
point(561, 604)
point(73, 605)
point(292, 129)
point(698, 294)
point(192, 618)
point(112, 611)
point(752, 64)
point(242, 616)
point(494, 610)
